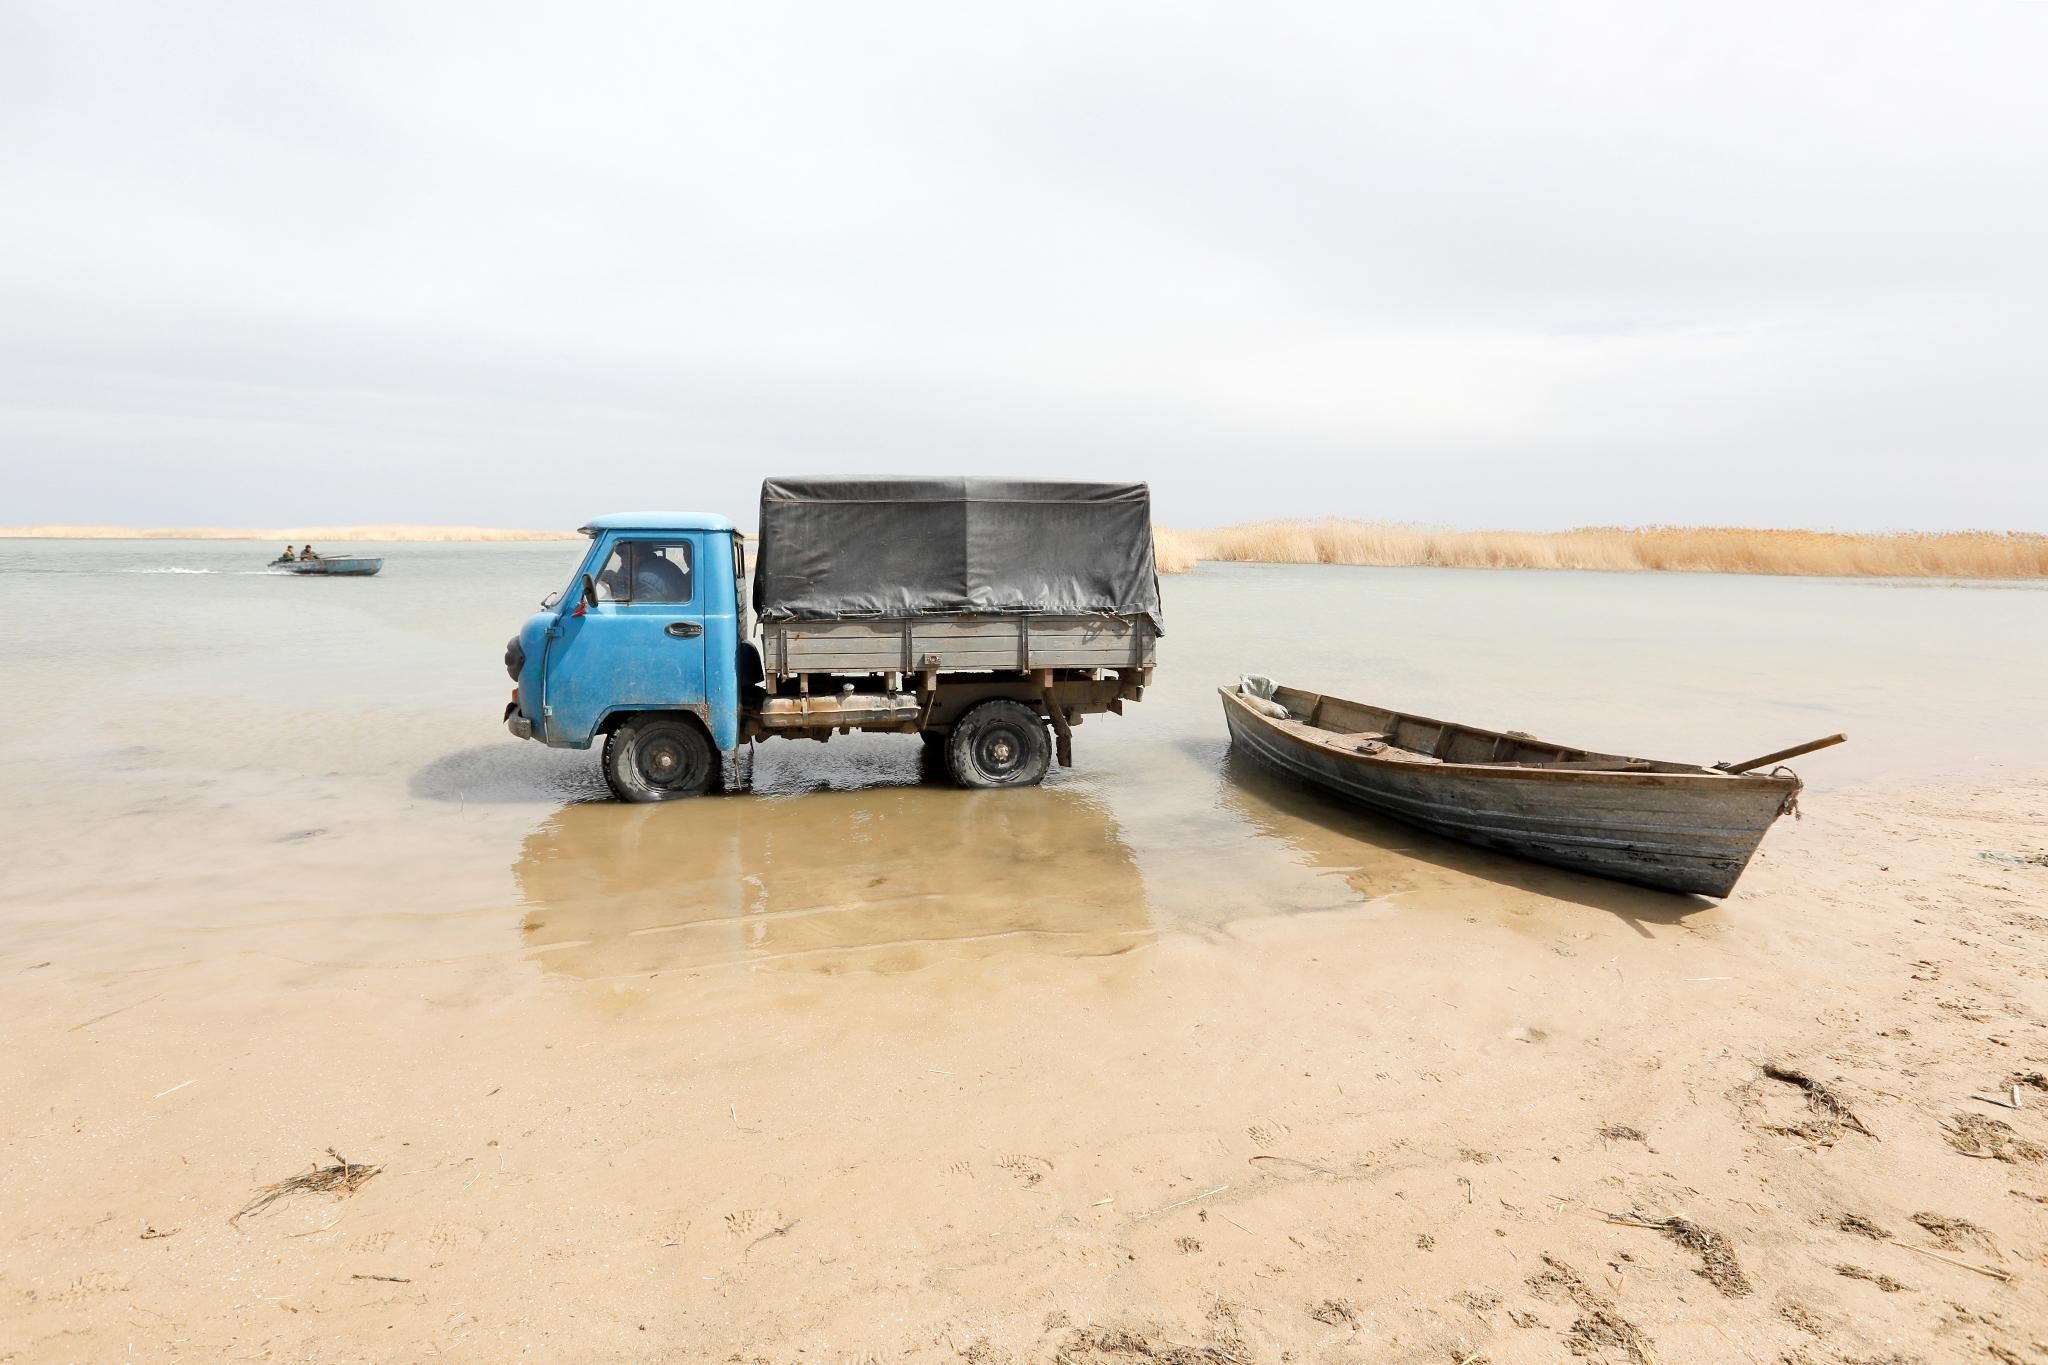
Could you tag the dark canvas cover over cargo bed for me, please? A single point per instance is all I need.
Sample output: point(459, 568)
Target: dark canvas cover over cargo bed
point(837, 548)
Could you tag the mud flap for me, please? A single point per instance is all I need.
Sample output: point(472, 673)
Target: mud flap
point(1063, 733)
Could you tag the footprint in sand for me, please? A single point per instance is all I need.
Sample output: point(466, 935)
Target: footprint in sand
point(1028, 1170)
point(746, 1223)
point(91, 1285)
point(1267, 1134)
point(371, 1243)
point(456, 1237)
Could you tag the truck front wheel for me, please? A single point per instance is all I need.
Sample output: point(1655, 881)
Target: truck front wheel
point(999, 744)
point(659, 758)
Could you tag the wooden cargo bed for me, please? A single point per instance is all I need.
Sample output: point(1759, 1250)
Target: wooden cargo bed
point(925, 644)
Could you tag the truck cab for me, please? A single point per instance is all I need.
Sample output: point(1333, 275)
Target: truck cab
point(652, 622)
point(987, 617)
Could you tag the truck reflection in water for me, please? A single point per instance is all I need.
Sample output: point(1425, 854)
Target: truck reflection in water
point(885, 879)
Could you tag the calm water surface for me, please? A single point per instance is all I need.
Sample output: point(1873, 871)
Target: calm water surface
point(210, 758)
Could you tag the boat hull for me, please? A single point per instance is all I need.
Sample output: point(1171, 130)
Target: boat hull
point(339, 567)
point(1687, 831)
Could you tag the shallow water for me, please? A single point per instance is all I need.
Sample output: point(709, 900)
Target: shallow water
point(211, 759)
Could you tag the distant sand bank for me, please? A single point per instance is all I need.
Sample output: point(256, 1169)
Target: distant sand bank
point(299, 534)
point(1621, 549)
point(1706, 549)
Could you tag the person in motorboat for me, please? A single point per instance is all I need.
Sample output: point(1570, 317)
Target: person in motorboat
point(306, 552)
point(287, 556)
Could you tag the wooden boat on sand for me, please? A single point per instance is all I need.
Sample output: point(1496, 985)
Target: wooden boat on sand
point(330, 566)
point(1675, 826)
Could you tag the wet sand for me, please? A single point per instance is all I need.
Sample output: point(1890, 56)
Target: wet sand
point(1387, 1130)
point(1167, 1060)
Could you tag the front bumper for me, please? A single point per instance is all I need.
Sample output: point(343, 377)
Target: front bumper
point(516, 721)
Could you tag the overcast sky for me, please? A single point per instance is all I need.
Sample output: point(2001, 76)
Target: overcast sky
point(514, 264)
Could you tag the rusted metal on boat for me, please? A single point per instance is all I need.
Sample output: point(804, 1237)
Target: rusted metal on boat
point(1674, 826)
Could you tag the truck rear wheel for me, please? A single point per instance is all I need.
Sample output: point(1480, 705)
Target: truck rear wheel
point(659, 758)
point(999, 743)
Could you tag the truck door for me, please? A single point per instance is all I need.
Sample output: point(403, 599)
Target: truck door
point(640, 647)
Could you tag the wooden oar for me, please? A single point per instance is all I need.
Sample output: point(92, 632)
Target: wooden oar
point(1781, 755)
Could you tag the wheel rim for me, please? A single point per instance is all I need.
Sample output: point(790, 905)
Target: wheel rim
point(663, 761)
point(999, 751)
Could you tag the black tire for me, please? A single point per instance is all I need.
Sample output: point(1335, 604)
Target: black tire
point(999, 744)
point(659, 757)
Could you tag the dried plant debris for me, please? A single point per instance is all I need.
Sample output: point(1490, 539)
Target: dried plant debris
point(1884, 1282)
point(1956, 1234)
point(341, 1179)
point(1862, 1227)
point(1802, 1317)
point(1832, 1108)
point(1621, 1132)
point(1718, 1266)
point(1821, 1132)
point(2035, 1079)
point(1123, 1345)
point(1980, 1135)
point(1599, 1332)
point(1335, 1312)
point(1993, 855)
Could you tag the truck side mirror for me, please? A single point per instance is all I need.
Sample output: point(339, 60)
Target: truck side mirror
point(589, 592)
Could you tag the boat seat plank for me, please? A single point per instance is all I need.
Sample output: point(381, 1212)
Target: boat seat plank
point(1605, 765)
point(1394, 754)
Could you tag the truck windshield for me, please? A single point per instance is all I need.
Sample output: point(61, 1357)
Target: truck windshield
point(647, 571)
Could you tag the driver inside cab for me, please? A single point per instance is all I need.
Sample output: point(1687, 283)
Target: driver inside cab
point(652, 571)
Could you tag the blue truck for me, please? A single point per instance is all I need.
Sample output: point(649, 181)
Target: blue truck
point(986, 616)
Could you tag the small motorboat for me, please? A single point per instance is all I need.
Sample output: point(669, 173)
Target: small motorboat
point(1674, 826)
point(330, 566)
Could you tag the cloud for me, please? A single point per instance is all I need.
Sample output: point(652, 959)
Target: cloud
point(1463, 264)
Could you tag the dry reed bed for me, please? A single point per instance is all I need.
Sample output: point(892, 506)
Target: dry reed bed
point(1706, 549)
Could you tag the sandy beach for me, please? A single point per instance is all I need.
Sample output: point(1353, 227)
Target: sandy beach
point(1167, 1060)
point(1388, 1129)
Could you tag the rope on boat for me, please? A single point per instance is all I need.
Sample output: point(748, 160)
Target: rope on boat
point(1790, 805)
